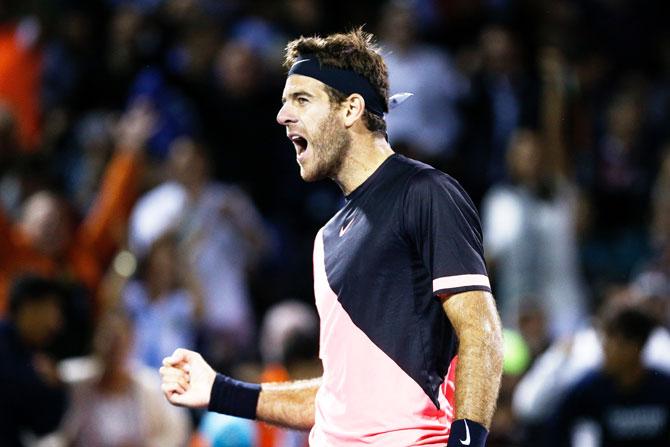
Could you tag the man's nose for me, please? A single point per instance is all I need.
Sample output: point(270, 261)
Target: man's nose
point(285, 116)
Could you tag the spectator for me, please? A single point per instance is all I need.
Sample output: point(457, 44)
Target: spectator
point(624, 403)
point(115, 407)
point(533, 329)
point(569, 359)
point(225, 238)
point(289, 348)
point(428, 125)
point(87, 162)
point(531, 241)
point(242, 82)
point(33, 399)
point(164, 303)
point(222, 236)
point(502, 98)
point(45, 239)
point(21, 173)
point(20, 77)
point(623, 170)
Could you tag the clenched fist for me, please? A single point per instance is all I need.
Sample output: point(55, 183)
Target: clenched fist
point(187, 379)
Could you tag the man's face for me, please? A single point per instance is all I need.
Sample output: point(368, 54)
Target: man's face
point(315, 128)
point(620, 354)
point(40, 321)
point(46, 224)
point(187, 164)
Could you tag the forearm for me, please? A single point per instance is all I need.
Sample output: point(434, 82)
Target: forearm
point(478, 374)
point(189, 381)
point(114, 202)
point(477, 325)
point(288, 404)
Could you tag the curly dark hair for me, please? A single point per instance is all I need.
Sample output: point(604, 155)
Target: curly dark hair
point(356, 51)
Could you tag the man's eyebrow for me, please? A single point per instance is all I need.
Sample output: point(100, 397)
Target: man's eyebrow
point(296, 94)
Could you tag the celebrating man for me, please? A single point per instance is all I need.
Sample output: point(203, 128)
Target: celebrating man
point(410, 336)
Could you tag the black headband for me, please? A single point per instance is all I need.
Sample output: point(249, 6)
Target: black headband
point(345, 81)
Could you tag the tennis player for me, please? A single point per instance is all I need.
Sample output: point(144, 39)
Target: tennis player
point(410, 337)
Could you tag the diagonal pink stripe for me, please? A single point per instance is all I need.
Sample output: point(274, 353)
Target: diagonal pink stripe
point(366, 398)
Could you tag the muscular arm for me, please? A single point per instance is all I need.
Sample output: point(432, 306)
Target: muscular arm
point(288, 404)
point(477, 325)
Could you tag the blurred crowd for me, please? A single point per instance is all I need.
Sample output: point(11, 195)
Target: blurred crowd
point(149, 200)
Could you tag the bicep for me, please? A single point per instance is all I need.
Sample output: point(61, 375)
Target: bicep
point(471, 311)
point(442, 226)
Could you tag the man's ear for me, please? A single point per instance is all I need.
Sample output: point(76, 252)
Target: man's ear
point(353, 109)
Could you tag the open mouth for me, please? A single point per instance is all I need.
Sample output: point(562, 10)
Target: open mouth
point(300, 143)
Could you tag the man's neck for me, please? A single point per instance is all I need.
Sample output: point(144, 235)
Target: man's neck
point(630, 377)
point(364, 157)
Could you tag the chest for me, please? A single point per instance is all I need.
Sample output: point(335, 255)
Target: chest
point(643, 415)
point(364, 243)
point(635, 422)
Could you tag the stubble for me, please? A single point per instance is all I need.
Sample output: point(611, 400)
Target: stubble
point(330, 146)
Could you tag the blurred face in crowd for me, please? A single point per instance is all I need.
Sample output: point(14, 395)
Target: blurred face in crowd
point(187, 162)
point(45, 221)
point(523, 158)
point(201, 44)
point(498, 50)
point(40, 321)
point(624, 118)
point(533, 328)
point(315, 128)
point(621, 355)
point(238, 69)
point(398, 25)
point(305, 14)
point(125, 26)
point(113, 342)
point(162, 269)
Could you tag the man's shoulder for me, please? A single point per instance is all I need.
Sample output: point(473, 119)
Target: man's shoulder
point(428, 181)
point(591, 378)
point(660, 379)
point(592, 386)
point(423, 175)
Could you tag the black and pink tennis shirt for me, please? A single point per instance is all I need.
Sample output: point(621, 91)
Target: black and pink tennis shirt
point(408, 234)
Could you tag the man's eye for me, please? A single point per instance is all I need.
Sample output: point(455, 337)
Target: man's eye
point(302, 100)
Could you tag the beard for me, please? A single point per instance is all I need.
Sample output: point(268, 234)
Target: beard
point(329, 146)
